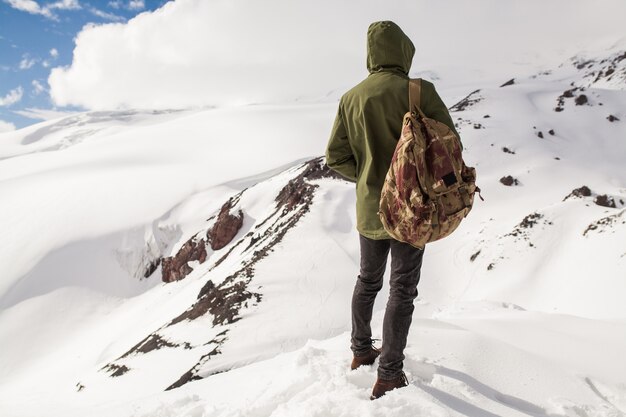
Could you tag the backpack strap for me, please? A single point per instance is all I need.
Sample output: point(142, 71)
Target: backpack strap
point(415, 91)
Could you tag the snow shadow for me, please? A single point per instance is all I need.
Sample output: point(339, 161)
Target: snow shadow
point(472, 410)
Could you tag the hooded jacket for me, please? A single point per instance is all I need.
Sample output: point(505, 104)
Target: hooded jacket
point(369, 121)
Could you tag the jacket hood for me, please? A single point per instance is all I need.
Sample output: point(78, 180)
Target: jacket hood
point(388, 48)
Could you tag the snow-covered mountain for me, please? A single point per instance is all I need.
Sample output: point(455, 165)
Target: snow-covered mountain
point(201, 262)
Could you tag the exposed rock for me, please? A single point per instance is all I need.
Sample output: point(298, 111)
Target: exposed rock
point(152, 266)
point(186, 377)
point(612, 118)
point(490, 266)
point(561, 99)
point(551, 132)
point(580, 192)
point(509, 180)
point(150, 343)
point(581, 99)
point(474, 256)
point(602, 224)
point(226, 226)
point(486, 116)
point(79, 387)
point(316, 169)
point(605, 201)
point(175, 268)
point(507, 150)
point(297, 191)
point(528, 222)
point(224, 301)
point(468, 101)
point(478, 126)
point(116, 370)
point(510, 82)
point(540, 134)
point(192, 374)
point(583, 64)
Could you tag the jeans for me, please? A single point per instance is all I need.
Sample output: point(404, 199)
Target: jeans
point(406, 262)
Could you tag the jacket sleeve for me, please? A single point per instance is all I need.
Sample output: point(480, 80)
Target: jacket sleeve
point(436, 109)
point(339, 156)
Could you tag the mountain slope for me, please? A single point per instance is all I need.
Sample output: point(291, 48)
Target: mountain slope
point(152, 279)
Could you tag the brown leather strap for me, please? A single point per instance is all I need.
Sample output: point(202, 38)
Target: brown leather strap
point(415, 88)
point(415, 91)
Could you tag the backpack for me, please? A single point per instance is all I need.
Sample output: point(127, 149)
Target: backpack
point(428, 189)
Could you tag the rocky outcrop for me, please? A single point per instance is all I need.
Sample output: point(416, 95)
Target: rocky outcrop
point(221, 300)
point(177, 267)
point(468, 101)
point(522, 230)
point(605, 201)
point(570, 93)
point(225, 300)
point(606, 223)
point(509, 181)
point(580, 192)
point(192, 374)
point(226, 226)
point(153, 342)
point(116, 370)
point(581, 99)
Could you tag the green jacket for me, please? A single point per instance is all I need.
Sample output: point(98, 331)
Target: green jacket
point(369, 121)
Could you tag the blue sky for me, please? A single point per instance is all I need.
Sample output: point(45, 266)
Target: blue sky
point(36, 36)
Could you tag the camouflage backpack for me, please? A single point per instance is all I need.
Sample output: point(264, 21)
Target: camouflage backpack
point(428, 189)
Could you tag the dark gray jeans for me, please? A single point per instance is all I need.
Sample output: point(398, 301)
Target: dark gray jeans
point(406, 262)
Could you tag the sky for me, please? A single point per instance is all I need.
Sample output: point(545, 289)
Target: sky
point(36, 36)
point(72, 55)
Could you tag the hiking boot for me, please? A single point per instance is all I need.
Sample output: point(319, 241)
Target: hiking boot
point(382, 386)
point(366, 358)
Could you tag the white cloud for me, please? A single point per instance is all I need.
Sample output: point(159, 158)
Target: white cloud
point(6, 126)
point(12, 97)
point(131, 5)
point(136, 5)
point(32, 7)
point(105, 15)
point(27, 62)
point(198, 52)
point(64, 5)
point(42, 114)
point(38, 88)
point(29, 6)
point(54, 53)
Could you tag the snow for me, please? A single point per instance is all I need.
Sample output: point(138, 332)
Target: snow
point(511, 320)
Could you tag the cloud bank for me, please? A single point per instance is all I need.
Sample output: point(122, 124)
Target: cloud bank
point(12, 97)
point(218, 52)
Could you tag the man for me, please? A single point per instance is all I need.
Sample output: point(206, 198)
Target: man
point(362, 142)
